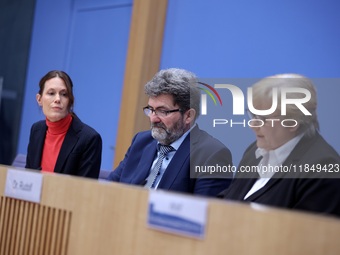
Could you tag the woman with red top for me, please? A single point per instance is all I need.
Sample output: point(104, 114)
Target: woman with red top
point(62, 143)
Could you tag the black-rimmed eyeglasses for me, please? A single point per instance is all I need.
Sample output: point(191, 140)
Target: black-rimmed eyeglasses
point(158, 112)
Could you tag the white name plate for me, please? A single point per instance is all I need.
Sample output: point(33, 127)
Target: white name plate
point(23, 185)
point(177, 214)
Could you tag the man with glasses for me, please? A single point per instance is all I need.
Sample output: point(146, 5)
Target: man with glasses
point(167, 156)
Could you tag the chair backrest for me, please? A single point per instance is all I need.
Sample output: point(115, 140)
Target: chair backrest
point(103, 174)
point(19, 161)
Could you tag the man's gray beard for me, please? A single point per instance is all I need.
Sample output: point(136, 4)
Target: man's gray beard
point(164, 136)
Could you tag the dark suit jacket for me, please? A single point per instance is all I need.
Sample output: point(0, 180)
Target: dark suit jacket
point(80, 153)
point(197, 149)
point(310, 194)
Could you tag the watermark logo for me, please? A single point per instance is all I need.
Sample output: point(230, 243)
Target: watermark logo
point(238, 105)
point(211, 91)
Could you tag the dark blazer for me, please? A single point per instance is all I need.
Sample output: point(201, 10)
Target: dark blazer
point(80, 153)
point(203, 149)
point(320, 195)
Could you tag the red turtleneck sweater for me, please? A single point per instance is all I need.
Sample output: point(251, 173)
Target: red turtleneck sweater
point(55, 134)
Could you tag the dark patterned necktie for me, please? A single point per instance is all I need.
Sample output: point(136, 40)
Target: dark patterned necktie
point(163, 151)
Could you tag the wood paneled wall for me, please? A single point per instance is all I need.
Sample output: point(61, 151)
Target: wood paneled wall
point(143, 60)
